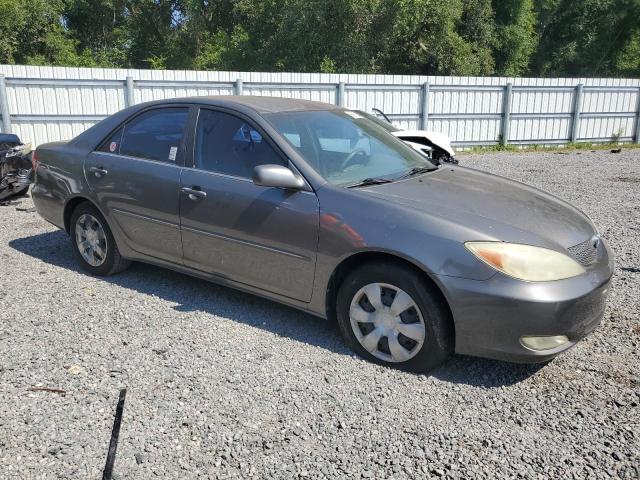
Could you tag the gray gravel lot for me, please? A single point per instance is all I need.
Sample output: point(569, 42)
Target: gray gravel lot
point(224, 384)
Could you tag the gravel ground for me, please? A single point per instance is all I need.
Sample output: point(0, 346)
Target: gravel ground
point(224, 384)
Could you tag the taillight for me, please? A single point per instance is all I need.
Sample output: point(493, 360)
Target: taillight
point(34, 160)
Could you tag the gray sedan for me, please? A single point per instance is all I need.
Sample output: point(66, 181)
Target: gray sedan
point(320, 208)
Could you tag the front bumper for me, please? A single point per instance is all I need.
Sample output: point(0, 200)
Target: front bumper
point(491, 316)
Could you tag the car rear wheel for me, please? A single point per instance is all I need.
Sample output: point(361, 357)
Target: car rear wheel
point(389, 314)
point(93, 242)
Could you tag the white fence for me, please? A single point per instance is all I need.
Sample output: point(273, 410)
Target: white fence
point(43, 104)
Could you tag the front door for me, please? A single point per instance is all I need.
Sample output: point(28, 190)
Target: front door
point(259, 236)
point(135, 176)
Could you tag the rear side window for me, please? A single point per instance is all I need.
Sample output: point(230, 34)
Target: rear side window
point(112, 144)
point(155, 135)
point(228, 144)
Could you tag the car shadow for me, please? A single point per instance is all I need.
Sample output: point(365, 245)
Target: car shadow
point(190, 294)
point(484, 372)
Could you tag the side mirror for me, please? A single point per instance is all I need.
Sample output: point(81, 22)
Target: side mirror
point(277, 176)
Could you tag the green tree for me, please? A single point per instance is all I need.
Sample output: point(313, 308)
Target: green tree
point(11, 19)
point(99, 28)
point(32, 32)
point(210, 35)
point(478, 28)
point(303, 35)
point(456, 37)
point(627, 60)
point(425, 37)
point(516, 36)
point(588, 38)
point(152, 34)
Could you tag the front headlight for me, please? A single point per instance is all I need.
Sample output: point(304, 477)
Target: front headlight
point(526, 262)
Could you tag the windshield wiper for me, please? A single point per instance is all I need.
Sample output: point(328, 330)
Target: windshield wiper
point(370, 181)
point(417, 171)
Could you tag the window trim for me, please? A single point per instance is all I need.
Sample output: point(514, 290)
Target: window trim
point(182, 149)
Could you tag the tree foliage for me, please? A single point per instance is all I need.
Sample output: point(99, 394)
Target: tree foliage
point(516, 36)
point(456, 37)
point(589, 37)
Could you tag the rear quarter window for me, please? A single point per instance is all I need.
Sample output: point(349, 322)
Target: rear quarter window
point(112, 143)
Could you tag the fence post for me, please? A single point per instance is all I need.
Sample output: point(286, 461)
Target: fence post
point(577, 108)
point(340, 95)
point(636, 136)
point(237, 87)
point(129, 96)
point(4, 106)
point(506, 113)
point(424, 107)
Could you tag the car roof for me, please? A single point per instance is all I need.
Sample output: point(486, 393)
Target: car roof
point(259, 104)
point(249, 104)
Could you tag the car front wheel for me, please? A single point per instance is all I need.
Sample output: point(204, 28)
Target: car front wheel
point(389, 314)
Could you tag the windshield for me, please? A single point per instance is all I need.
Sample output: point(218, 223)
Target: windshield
point(346, 147)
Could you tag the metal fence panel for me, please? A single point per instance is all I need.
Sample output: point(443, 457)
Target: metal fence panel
point(146, 91)
point(44, 104)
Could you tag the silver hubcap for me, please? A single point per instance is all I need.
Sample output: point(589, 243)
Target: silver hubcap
point(91, 240)
point(387, 322)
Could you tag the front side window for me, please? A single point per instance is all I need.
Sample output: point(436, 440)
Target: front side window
point(229, 145)
point(155, 135)
point(346, 147)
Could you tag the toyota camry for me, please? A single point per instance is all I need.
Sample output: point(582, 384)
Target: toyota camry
point(321, 208)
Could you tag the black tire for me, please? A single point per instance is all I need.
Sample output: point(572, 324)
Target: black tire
point(438, 343)
point(113, 262)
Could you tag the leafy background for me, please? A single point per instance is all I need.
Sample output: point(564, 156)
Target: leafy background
point(453, 37)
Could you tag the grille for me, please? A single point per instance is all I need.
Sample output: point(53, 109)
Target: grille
point(585, 253)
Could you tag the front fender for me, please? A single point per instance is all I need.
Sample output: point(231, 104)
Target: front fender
point(352, 223)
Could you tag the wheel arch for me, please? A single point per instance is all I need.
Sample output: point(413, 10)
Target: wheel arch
point(71, 205)
point(356, 260)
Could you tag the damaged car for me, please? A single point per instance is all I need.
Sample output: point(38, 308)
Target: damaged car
point(434, 145)
point(15, 166)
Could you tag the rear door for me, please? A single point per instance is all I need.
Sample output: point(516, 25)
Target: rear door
point(260, 236)
point(135, 175)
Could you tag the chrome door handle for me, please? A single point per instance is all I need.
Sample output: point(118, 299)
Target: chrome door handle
point(193, 193)
point(98, 171)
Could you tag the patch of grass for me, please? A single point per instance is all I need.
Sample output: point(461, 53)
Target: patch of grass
point(615, 137)
point(571, 146)
point(492, 148)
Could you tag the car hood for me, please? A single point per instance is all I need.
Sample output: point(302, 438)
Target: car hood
point(495, 208)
